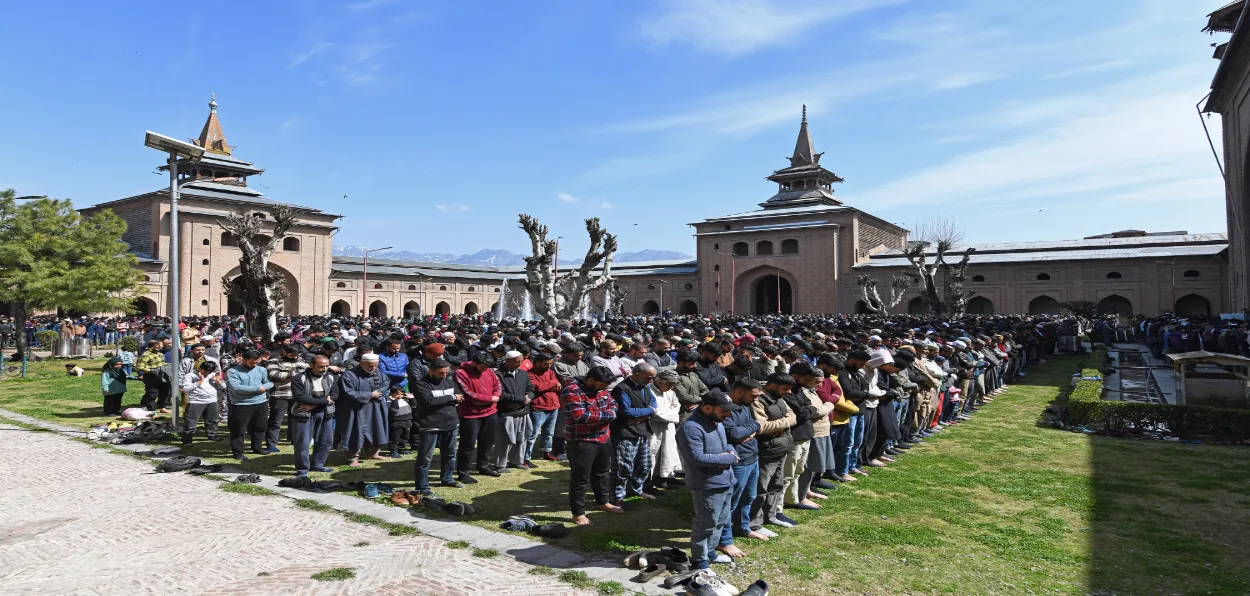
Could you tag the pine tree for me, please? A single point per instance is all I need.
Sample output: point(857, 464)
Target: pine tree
point(51, 257)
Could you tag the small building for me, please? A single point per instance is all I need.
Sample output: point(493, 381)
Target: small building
point(1210, 379)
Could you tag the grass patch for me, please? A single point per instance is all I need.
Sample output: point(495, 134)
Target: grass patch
point(244, 488)
point(610, 588)
point(485, 553)
point(362, 518)
point(312, 504)
point(542, 570)
point(337, 574)
point(401, 530)
point(457, 544)
point(577, 579)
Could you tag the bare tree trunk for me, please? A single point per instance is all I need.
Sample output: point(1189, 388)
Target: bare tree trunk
point(260, 291)
point(555, 297)
point(20, 315)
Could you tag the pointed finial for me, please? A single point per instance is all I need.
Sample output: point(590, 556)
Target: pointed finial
point(212, 102)
point(804, 113)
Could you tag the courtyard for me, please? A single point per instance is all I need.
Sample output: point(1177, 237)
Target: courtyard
point(999, 505)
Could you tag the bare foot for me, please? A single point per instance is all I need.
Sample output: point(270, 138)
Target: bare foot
point(849, 478)
point(732, 551)
point(647, 496)
point(354, 464)
point(581, 520)
point(376, 456)
point(757, 536)
point(812, 495)
point(809, 503)
point(610, 508)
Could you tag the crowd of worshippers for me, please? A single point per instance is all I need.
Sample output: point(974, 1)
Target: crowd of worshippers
point(756, 416)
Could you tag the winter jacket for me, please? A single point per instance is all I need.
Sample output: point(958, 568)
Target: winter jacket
point(478, 388)
point(738, 426)
point(516, 389)
point(546, 391)
point(775, 419)
point(302, 391)
point(821, 410)
point(706, 456)
point(435, 403)
point(281, 372)
point(635, 405)
point(395, 367)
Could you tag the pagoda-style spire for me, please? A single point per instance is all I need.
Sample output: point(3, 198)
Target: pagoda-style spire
point(804, 152)
point(212, 138)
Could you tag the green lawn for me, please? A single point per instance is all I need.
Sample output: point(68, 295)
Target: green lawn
point(1000, 505)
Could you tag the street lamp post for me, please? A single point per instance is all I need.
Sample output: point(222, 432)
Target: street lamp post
point(193, 154)
point(364, 282)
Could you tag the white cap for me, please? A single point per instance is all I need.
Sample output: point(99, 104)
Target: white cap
point(370, 357)
point(880, 358)
point(510, 354)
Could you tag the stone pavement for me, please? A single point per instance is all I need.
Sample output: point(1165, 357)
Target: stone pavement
point(79, 520)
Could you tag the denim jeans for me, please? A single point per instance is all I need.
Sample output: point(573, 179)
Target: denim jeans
point(544, 430)
point(711, 515)
point(317, 431)
point(840, 436)
point(855, 431)
point(446, 441)
point(746, 481)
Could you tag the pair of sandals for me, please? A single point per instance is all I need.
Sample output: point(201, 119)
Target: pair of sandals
point(404, 498)
point(454, 508)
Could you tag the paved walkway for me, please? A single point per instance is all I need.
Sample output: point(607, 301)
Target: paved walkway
point(79, 520)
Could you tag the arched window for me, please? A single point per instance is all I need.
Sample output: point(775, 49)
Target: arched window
point(978, 278)
point(290, 244)
point(377, 286)
point(1192, 273)
point(715, 267)
point(764, 247)
point(716, 246)
point(227, 239)
point(203, 282)
point(790, 247)
point(651, 307)
point(147, 278)
point(377, 309)
point(740, 249)
point(470, 288)
point(340, 308)
point(206, 242)
point(1114, 275)
point(650, 286)
point(203, 303)
point(1043, 277)
point(442, 308)
point(411, 288)
point(205, 261)
point(340, 285)
point(496, 290)
point(443, 288)
point(980, 305)
point(470, 308)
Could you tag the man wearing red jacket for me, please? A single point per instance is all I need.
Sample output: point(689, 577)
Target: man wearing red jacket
point(481, 389)
point(545, 407)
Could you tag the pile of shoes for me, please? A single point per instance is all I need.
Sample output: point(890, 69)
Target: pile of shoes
point(454, 508)
point(203, 469)
point(524, 523)
point(302, 482)
point(178, 463)
point(373, 491)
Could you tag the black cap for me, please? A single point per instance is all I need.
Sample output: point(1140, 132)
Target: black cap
point(718, 398)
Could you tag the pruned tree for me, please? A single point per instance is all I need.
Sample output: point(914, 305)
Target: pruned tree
point(619, 295)
point(260, 290)
point(558, 296)
point(52, 257)
point(1085, 309)
point(872, 298)
point(929, 254)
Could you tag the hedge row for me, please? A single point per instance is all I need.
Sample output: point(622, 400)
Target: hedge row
point(1086, 406)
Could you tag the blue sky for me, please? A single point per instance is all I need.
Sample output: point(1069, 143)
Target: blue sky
point(442, 120)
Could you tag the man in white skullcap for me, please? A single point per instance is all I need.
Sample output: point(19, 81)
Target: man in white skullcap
point(515, 425)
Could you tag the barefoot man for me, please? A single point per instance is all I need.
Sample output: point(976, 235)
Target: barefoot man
point(588, 411)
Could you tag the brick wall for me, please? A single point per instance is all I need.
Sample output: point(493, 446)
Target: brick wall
point(871, 237)
point(138, 229)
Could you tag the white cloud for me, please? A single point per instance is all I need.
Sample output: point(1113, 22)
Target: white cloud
point(734, 27)
point(451, 207)
point(567, 198)
point(961, 80)
point(301, 58)
point(606, 205)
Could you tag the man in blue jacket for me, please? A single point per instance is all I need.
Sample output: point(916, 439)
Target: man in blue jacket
point(708, 460)
point(740, 430)
point(247, 385)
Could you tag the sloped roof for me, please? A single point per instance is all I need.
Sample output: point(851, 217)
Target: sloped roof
point(1187, 245)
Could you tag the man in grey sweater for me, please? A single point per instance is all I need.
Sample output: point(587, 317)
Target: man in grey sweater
point(281, 373)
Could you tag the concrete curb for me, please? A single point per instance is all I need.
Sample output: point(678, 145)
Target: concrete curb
point(515, 546)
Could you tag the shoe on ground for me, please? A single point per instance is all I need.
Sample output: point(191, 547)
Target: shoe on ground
point(453, 484)
point(648, 574)
point(321, 469)
point(529, 465)
point(767, 532)
point(395, 453)
point(801, 507)
point(635, 560)
point(467, 479)
point(272, 449)
point(758, 588)
point(902, 445)
point(549, 457)
point(722, 559)
point(779, 523)
point(400, 498)
point(405, 452)
point(892, 451)
point(825, 484)
point(489, 472)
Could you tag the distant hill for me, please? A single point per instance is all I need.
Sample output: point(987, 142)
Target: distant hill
point(496, 258)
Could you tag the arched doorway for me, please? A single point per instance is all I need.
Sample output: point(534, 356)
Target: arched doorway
point(377, 309)
point(470, 308)
point(980, 305)
point(650, 307)
point(340, 308)
point(1043, 305)
point(1192, 305)
point(688, 307)
point(772, 294)
point(412, 309)
point(145, 307)
point(290, 306)
point(234, 308)
point(1115, 304)
point(442, 308)
point(917, 306)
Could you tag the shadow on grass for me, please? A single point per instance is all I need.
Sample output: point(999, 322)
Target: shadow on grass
point(1165, 517)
